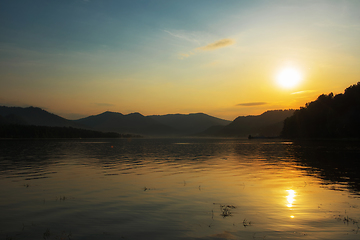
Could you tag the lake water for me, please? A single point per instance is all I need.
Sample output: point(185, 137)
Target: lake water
point(179, 189)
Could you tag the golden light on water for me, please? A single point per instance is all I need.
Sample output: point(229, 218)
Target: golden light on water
point(290, 198)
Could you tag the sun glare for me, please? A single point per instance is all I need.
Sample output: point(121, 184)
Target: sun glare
point(288, 77)
point(290, 198)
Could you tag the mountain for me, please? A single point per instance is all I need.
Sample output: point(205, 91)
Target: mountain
point(189, 124)
point(32, 131)
point(134, 123)
point(33, 116)
point(211, 131)
point(12, 119)
point(328, 116)
point(32, 122)
point(269, 124)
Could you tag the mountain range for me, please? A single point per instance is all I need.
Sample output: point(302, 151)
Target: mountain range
point(34, 116)
point(269, 123)
point(134, 123)
point(154, 125)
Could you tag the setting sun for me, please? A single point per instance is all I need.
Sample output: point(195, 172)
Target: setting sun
point(289, 77)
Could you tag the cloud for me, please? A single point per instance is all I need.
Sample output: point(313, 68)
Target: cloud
point(104, 104)
point(302, 92)
point(218, 44)
point(251, 104)
point(185, 55)
point(210, 47)
point(182, 35)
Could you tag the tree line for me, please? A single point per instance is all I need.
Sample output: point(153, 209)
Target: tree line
point(328, 116)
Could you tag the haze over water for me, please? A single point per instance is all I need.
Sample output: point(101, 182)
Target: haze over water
point(178, 189)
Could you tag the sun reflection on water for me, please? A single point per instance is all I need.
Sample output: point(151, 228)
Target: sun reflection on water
point(290, 198)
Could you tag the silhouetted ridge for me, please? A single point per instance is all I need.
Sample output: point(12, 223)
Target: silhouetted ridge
point(133, 123)
point(34, 116)
point(328, 116)
point(189, 124)
point(135, 114)
point(109, 113)
point(268, 124)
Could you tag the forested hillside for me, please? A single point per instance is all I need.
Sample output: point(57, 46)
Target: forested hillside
point(328, 116)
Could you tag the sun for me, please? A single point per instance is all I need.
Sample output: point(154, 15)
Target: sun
point(289, 77)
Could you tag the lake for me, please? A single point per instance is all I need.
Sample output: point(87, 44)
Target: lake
point(187, 188)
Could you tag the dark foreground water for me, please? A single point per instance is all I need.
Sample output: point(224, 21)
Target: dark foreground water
point(179, 189)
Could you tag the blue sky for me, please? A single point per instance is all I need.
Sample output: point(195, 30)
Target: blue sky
point(77, 58)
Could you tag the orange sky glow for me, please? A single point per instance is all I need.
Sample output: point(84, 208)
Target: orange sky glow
point(153, 57)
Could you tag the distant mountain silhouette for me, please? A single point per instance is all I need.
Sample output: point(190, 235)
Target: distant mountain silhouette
point(196, 124)
point(133, 123)
point(34, 116)
point(189, 124)
point(328, 116)
point(32, 131)
point(268, 124)
point(12, 119)
point(212, 131)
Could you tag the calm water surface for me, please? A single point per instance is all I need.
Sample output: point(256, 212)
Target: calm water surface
point(179, 189)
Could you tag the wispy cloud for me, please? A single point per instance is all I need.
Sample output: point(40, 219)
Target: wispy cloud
point(302, 92)
point(184, 36)
point(218, 44)
point(104, 104)
point(210, 47)
point(251, 104)
point(185, 55)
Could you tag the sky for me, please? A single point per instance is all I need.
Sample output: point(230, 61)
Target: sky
point(77, 58)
